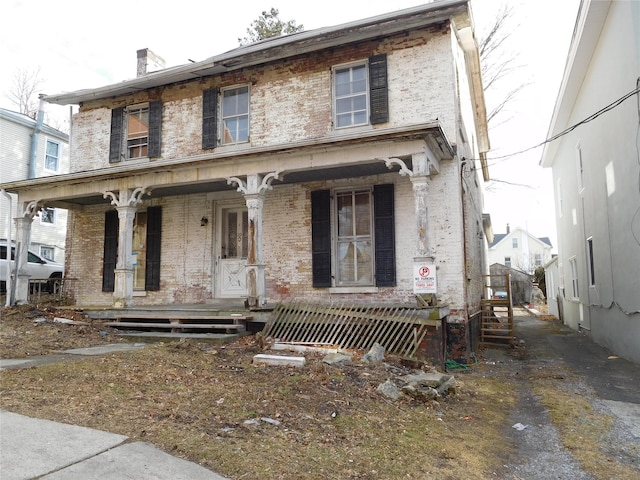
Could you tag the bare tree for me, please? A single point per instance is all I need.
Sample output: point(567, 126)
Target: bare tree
point(269, 25)
point(498, 62)
point(25, 88)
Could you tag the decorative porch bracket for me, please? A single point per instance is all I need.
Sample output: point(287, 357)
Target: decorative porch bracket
point(254, 189)
point(125, 202)
point(424, 164)
point(20, 291)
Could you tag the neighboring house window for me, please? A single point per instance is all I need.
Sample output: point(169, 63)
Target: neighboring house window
point(146, 249)
point(363, 252)
point(507, 261)
point(574, 278)
point(592, 272)
point(48, 216)
point(47, 252)
point(538, 259)
point(514, 242)
point(235, 115)
point(52, 156)
point(360, 93)
point(135, 132)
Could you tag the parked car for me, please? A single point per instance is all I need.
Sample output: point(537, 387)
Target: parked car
point(500, 295)
point(37, 267)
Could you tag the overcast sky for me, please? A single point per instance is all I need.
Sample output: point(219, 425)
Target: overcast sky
point(79, 44)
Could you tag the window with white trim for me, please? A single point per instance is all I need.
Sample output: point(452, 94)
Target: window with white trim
point(47, 252)
point(573, 263)
point(48, 216)
point(136, 131)
point(538, 259)
point(350, 93)
point(137, 118)
point(52, 156)
point(507, 261)
point(514, 242)
point(235, 115)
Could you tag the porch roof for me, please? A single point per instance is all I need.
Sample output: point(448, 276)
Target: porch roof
point(341, 156)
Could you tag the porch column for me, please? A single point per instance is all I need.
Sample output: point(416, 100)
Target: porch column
point(420, 193)
point(254, 190)
point(23, 240)
point(125, 202)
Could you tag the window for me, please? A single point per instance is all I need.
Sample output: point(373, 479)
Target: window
point(507, 261)
point(592, 273)
point(360, 93)
point(351, 96)
point(48, 216)
point(354, 259)
point(361, 252)
point(574, 278)
point(47, 252)
point(135, 132)
point(538, 259)
point(514, 242)
point(52, 156)
point(235, 115)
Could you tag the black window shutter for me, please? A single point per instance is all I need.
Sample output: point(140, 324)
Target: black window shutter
point(115, 143)
point(154, 230)
point(209, 118)
point(110, 258)
point(378, 91)
point(155, 128)
point(383, 205)
point(321, 238)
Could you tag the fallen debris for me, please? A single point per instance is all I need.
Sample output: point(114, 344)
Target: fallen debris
point(279, 360)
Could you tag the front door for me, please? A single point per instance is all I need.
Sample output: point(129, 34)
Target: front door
point(233, 245)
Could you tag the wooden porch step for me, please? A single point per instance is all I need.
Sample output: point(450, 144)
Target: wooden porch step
point(174, 317)
point(176, 325)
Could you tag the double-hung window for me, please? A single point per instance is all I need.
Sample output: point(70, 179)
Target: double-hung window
point(360, 94)
point(235, 115)
point(353, 239)
point(354, 258)
point(48, 216)
point(351, 96)
point(135, 131)
point(52, 156)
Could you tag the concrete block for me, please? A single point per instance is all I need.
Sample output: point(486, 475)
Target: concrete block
point(279, 360)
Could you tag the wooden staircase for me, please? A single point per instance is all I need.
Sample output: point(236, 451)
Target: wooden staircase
point(180, 322)
point(496, 326)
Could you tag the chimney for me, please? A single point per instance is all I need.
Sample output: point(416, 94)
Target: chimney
point(508, 229)
point(148, 62)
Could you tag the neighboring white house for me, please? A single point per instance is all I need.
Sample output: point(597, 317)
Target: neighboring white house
point(596, 172)
point(520, 250)
point(21, 159)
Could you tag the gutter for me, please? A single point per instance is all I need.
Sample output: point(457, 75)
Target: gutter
point(34, 138)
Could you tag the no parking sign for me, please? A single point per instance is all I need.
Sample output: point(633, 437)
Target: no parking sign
point(424, 277)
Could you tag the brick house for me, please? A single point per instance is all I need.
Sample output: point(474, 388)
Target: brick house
point(331, 165)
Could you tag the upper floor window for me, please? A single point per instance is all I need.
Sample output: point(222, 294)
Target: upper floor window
point(52, 156)
point(507, 261)
point(135, 131)
point(351, 96)
point(514, 242)
point(137, 119)
point(538, 259)
point(48, 216)
point(235, 115)
point(360, 95)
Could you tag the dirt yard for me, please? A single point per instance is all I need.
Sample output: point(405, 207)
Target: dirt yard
point(212, 405)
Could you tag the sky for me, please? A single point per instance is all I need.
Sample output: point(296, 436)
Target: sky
point(77, 45)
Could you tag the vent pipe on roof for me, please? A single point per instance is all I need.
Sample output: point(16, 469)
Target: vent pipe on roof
point(148, 62)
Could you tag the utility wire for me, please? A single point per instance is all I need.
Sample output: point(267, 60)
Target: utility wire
point(591, 117)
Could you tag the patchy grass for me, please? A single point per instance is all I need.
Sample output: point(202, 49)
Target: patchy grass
point(194, 400)
point(584, 431)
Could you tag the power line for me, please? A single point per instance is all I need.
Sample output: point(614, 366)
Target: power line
point(590, 118)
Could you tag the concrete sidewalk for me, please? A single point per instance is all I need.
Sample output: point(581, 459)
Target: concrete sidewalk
point(32, 448)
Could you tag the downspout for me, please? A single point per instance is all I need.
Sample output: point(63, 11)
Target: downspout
point(34, 139)
point(8, 283)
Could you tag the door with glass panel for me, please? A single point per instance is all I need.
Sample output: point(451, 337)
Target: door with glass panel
point(233, 245)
